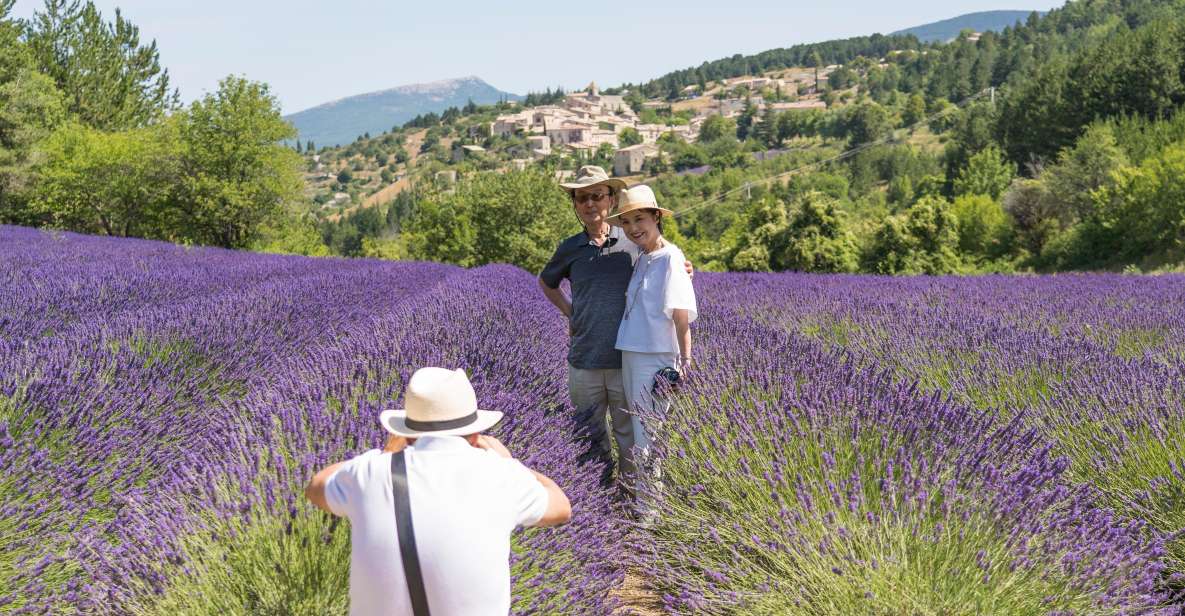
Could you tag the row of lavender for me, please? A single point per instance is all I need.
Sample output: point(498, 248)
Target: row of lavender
point(927, 445)
point(161, 407)
point(849, 445)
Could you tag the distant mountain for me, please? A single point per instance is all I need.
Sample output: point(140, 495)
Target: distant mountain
point(343, 120)
point(985, 21)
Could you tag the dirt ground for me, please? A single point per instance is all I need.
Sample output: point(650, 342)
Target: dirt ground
point(636, 598)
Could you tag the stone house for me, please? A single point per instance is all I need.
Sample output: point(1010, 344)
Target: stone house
point(629, 161)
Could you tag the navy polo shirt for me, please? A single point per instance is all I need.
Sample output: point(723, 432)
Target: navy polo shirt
point(599, 276)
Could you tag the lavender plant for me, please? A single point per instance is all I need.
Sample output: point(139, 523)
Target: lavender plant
point(849, 444)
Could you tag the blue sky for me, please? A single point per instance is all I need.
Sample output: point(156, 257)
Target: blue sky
point(314, 52)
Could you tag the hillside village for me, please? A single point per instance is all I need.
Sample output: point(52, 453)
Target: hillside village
point(617, 130)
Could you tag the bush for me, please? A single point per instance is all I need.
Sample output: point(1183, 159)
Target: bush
point(983, 227)
point(921, 240)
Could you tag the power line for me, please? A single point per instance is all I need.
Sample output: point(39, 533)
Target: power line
point(842, 155)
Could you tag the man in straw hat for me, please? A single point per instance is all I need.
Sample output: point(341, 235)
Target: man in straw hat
point(597, 262)
point(465, 494)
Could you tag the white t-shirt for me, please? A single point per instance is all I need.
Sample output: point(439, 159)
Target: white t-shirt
point(659, 286)
point(464, 504)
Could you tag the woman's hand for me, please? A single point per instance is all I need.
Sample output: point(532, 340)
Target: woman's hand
point(686, 365)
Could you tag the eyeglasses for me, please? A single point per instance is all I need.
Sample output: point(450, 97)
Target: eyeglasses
point(586, 197)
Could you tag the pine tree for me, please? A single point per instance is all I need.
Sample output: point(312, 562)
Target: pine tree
point(110, 79)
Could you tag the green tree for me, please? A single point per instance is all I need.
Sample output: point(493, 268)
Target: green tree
point(767, 129)
point(293, 234)
point(984, 229)
point(1143, 213)
point(867, 122)
point(30, 108)
point(629, 136)
point(238, 175)
point(716, 127)
point(815, 61)
point(110, 79)
point(1034, 214)
point(14, 56)
point(517, 217)
point(116, 184)
point(921, 240)
point(816, 239)
point(1080, 171)
point(915, 110)
point(745, 120)
point(757, 233)
point(987, 173)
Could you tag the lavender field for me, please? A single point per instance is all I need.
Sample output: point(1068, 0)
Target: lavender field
point(848, 444)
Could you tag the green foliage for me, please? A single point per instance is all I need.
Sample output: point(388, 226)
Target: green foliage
point(118, 184)
point(1144, 212)
point(1080, 171)
point(213, 174)
point(867, 122)
point(30, 108)
point(110, 79)
point(292, 234)
point(893, 558)
point(972, 133)
point(517, 217)
point(717, 127)
point(760, 232)
point(986, 173)
point(242, 175)
point(921, 240)
point(984, 228)
point(1128, 72)
point(915, 110)
point(1034, 214)
point(271, 565)
point(629, 136)
point(816, 239)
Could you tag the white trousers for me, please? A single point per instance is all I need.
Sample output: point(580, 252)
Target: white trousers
point(637, 376)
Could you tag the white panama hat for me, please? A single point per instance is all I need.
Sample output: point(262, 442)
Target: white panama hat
point(640, 197)
point(439, 402)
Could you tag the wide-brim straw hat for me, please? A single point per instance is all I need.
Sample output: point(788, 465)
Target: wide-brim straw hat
point(440, 402)
point(640, 197)
point(592, 175)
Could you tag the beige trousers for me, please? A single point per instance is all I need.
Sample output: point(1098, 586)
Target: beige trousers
point(598, 391)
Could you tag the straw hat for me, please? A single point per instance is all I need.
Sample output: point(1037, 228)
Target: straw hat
point(439, 402)
point(639, 197)
point(592, 175)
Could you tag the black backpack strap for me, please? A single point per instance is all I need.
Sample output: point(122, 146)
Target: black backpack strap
point(407, 536)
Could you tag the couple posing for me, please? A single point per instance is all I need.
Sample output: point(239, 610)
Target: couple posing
point(630, 312)
point(432, 512)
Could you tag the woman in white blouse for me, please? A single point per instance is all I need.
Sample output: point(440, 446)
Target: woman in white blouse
point(655, 331)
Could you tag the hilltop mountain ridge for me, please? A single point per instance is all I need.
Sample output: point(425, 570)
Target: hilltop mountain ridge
point(343, 120)
point(982, 21)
